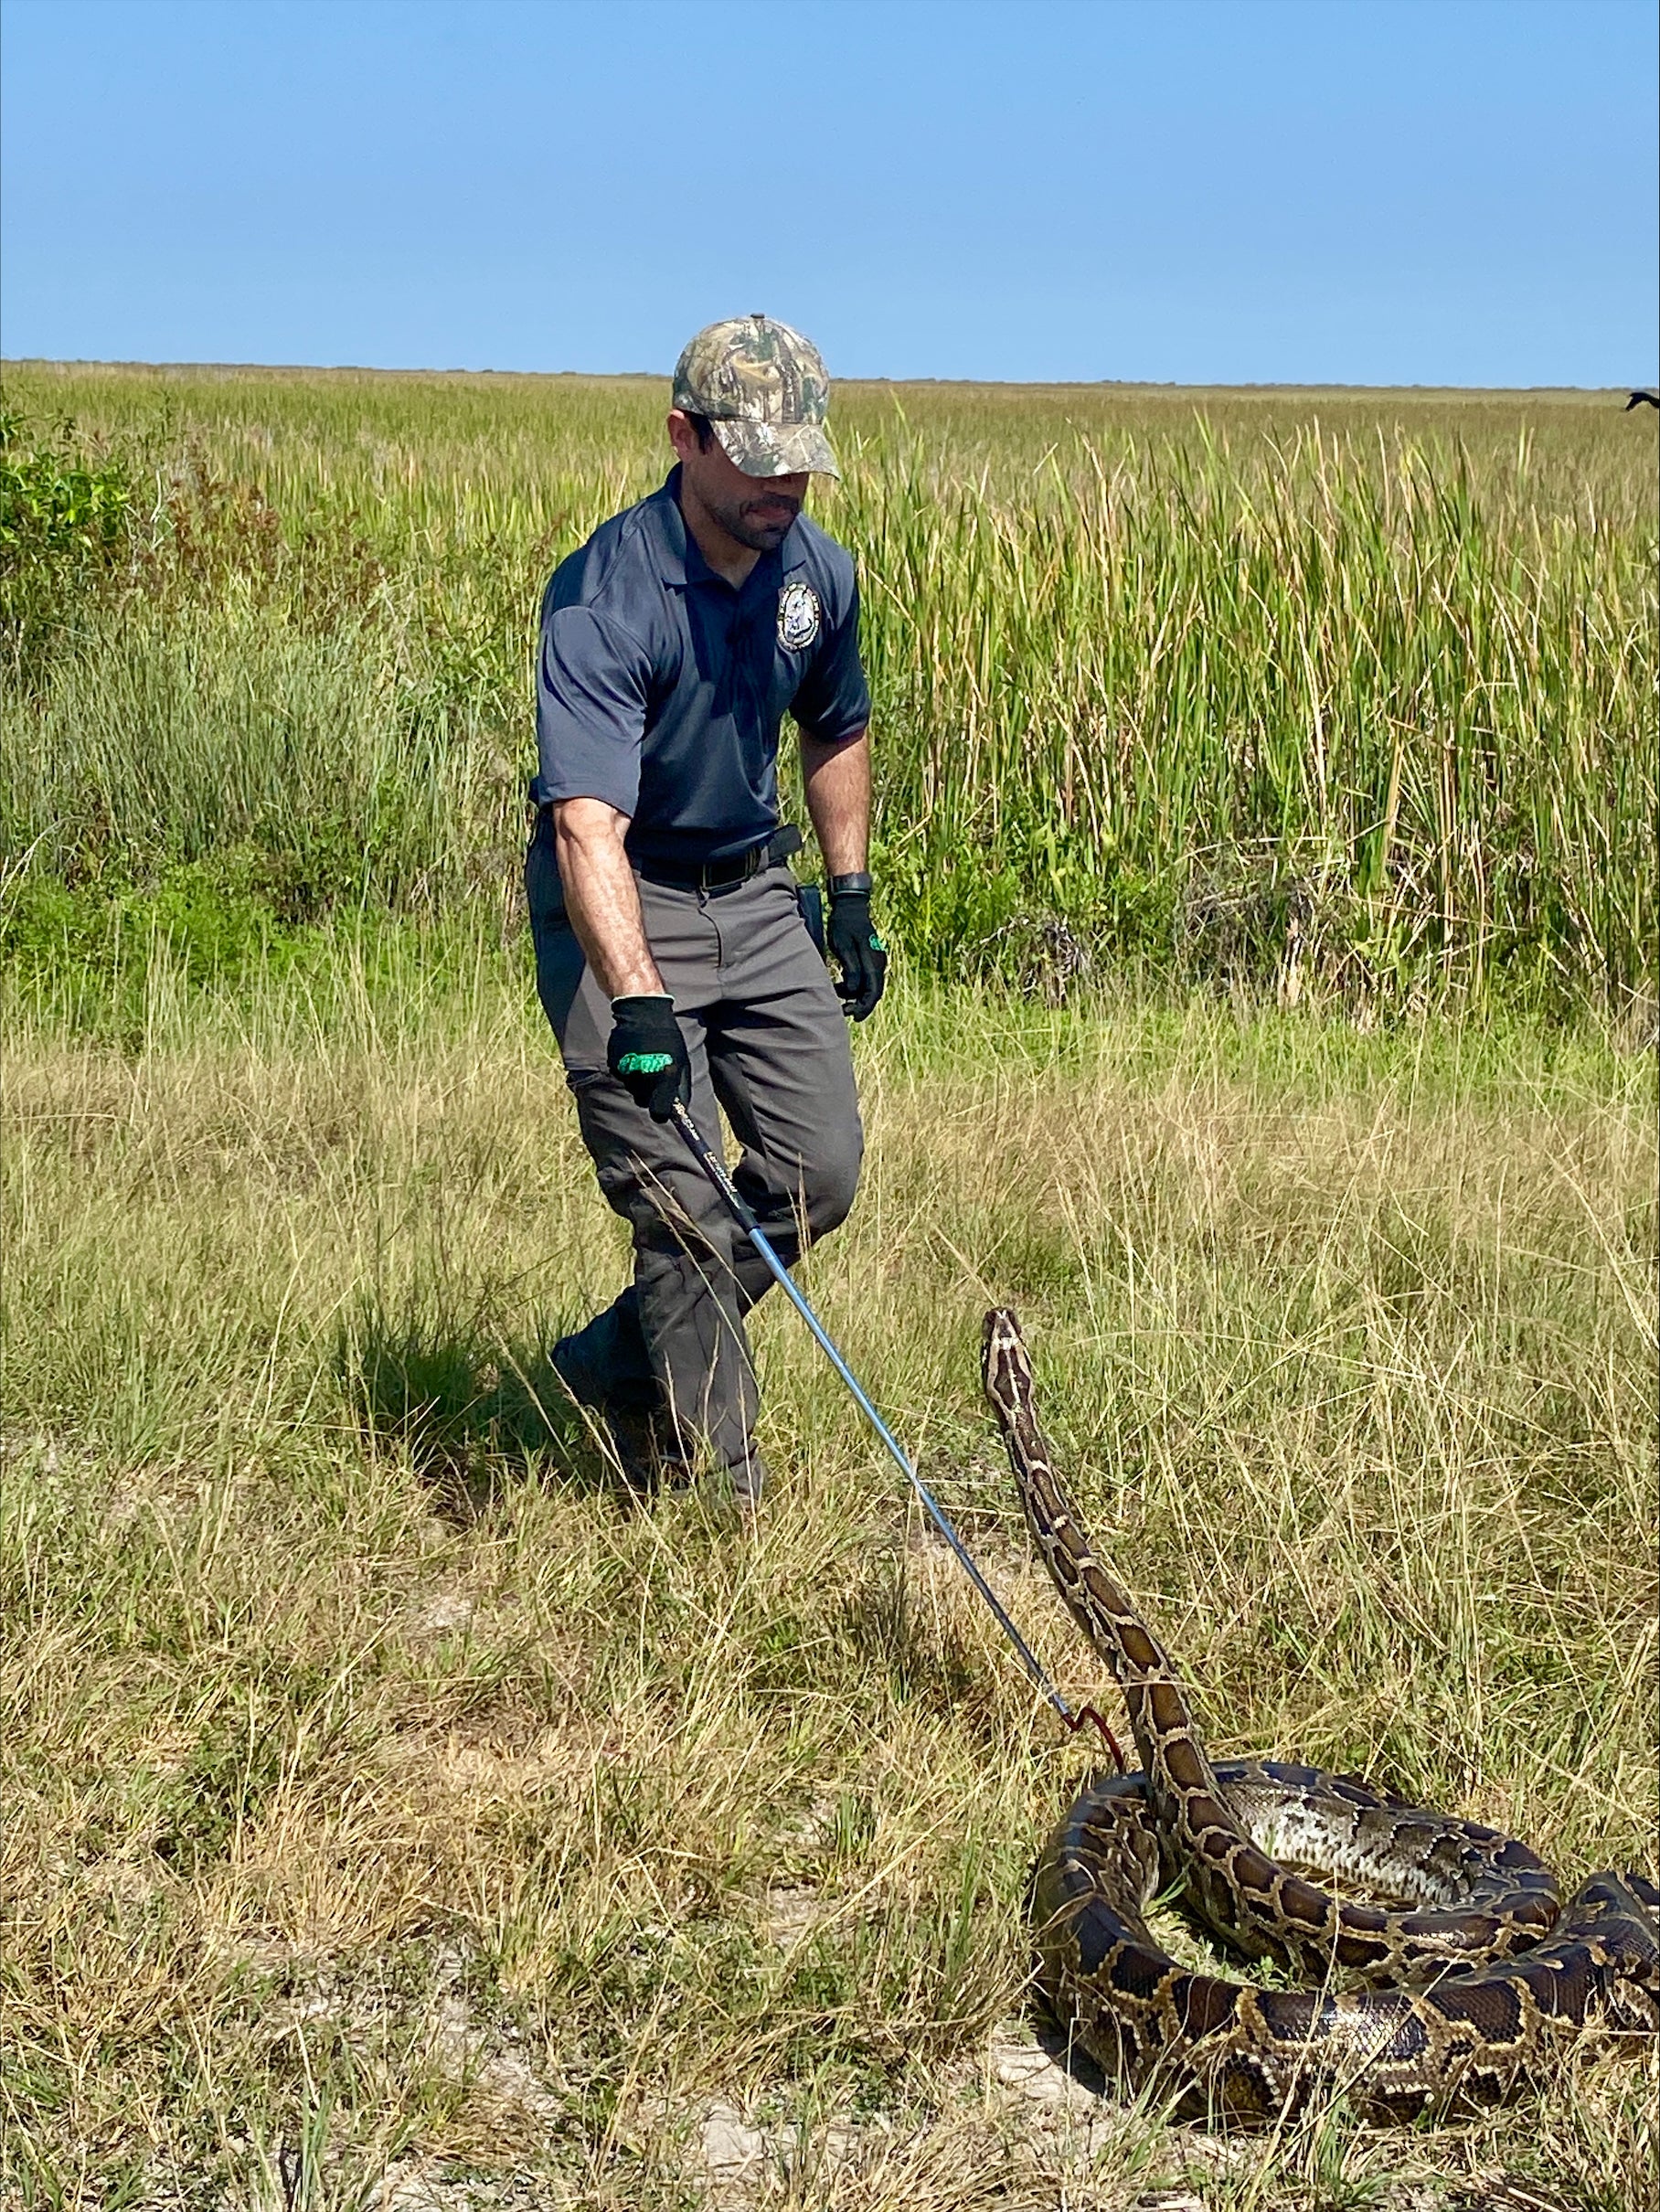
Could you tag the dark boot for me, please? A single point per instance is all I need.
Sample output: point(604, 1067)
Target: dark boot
point(604, 1364)
point(605, 1370)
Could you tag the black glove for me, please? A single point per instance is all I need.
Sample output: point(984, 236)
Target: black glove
point(647, 1053)
point(857, 951)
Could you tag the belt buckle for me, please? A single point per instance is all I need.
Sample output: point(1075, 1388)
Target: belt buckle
point(723, 874)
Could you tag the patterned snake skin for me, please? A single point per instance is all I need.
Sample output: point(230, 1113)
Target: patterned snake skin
point(1478, 1976)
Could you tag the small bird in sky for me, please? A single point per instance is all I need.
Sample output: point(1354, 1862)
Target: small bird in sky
point(1640, 399)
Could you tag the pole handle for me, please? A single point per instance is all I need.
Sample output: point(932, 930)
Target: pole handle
point(713, 1166)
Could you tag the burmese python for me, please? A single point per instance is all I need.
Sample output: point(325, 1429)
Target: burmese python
point(1443, 2002)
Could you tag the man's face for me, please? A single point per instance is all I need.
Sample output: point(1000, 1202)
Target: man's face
point(757, 511)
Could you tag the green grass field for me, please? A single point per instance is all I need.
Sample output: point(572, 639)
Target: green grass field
point(386, 1794)
point(1353, 694)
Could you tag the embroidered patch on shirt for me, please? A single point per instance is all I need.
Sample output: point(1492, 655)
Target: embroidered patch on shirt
point(798, 615)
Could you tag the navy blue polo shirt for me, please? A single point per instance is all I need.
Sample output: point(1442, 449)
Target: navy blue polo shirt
point(660, 688)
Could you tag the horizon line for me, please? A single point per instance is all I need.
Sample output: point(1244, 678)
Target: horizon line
point(1087, 384)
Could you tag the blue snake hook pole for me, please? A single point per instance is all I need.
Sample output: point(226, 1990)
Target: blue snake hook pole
point(714, 1167)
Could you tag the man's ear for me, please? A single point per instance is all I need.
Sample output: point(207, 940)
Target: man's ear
point(681, 435)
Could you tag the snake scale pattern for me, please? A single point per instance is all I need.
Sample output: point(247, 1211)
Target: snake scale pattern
point(1476, 1977)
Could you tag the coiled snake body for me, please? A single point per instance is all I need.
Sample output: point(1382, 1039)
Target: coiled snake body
point(1442, 2003)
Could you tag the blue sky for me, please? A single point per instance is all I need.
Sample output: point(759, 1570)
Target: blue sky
point(1215, 191)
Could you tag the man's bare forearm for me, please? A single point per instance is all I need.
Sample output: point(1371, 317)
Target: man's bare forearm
point(837, 782)
point(602, 897)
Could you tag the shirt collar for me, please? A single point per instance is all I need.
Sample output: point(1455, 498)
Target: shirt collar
point(675, 542)
point(680, 558)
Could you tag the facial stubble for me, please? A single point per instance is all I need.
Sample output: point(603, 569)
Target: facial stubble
point(737, 521)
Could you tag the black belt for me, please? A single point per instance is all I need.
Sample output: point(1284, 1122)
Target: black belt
point(721, 874)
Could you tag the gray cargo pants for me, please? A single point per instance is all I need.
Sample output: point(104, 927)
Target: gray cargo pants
point(768, 1041)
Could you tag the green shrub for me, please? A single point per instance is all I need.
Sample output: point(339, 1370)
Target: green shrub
point(65, 524)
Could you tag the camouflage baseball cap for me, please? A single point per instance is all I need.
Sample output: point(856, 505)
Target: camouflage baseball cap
point(763, 387)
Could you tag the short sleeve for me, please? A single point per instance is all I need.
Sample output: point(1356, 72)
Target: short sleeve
point(832, 702)
point(593, 684)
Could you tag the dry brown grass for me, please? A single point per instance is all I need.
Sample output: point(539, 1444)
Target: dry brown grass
point(386, 1795)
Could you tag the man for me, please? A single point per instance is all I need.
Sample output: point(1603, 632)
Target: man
point(672, 955)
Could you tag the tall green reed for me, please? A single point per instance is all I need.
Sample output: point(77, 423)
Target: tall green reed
point(1354, 693)
point(1310, 704)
